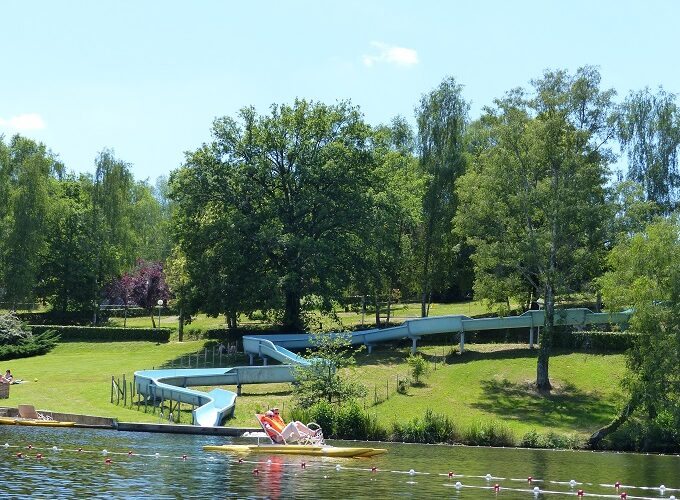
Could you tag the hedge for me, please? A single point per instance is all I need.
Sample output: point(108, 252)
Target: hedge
point(105, 333)
point(56, 318)
point(597, 340)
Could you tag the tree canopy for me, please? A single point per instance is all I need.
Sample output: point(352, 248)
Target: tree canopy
point(533, 200)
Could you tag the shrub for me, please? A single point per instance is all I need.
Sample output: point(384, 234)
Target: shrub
point(419, 367)
point(351, 422)
point(12, 330)
point(341, 422)
point(492, 433)
point(106, 334)
point(32, 346)
point(533, 439)
point(432, 428)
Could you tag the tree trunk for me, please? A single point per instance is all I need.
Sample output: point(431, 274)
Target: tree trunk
point(180, 330)
point(542, 379)
point(389, 305)
point(377, 310)
point(600, 434)
point(291, 316)
point(426, 282)
point(153, 321)
point(423, 305)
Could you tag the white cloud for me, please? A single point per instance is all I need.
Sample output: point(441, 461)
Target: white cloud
point(391, 54)
point(28, 121)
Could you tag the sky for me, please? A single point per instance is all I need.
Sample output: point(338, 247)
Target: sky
point(147, 78)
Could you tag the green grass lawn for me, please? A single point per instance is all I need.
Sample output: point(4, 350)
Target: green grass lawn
point(488, 382)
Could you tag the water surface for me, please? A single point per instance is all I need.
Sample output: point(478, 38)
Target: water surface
point(157, 469)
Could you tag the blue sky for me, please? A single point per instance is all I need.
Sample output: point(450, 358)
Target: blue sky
point(146, 78)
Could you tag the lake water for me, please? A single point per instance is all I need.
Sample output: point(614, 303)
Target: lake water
point(157, 469)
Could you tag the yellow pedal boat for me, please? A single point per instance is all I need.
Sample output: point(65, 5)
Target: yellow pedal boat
point(299, 449)
point(43, 423)
point(7, 420)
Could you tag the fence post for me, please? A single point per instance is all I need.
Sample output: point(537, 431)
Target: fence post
point(118, 391)
point(124, 391)
point(113, 381)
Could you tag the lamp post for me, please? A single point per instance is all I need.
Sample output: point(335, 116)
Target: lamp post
point(160, 306)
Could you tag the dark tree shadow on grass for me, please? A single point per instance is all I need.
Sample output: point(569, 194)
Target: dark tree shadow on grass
point(564, 406)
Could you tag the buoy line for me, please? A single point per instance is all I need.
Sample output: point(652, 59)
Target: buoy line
point(317, 465)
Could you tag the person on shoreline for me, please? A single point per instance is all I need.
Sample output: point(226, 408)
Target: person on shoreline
point(7, 378)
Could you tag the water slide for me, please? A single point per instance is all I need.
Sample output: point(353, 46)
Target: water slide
point(213, 407)
point(414, 329)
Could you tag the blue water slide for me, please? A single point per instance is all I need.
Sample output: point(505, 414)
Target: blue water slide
point(213, 407)
point(414, 329)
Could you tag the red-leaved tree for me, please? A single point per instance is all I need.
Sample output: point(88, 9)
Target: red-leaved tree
point(143, 287)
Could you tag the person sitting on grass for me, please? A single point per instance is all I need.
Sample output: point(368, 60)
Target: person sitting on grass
point(7, 378)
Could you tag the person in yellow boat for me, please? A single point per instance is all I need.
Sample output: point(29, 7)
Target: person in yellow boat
point(294, 431)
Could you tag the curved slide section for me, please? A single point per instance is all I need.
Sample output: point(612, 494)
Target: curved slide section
point(215, 406)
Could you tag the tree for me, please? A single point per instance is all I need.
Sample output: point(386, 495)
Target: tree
point(68, 265)
point(329, 375)
point(180, 286)
point(27, 168)
point(396, 214)
point(645, 275)
point(111, 221)
point(532, 202)
point(288, 193)
point(442, 119)
point(144, 286)
point(649, 132)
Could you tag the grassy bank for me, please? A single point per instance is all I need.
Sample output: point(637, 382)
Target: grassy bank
point(489, 383)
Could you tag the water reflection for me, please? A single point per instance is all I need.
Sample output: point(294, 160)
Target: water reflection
point(156, 469)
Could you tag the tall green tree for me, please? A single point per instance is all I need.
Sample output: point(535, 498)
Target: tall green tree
point(289, 195)
point(533, 200)
point(649, 132)
point(442, 119)
point(112, 223)
point(68, 265)
point(28, 167)
point(645, 275)
point(395, 216)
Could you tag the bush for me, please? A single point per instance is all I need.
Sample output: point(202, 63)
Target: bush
point(341, 422)
point(57, 318)
point(641, 434)
point(106, 334)
point(351, 422)
point(419, 367)
point(533, 439)
point(402, 386)
point(603, 341)
point(493, 433)
point(432, 428)
point(31, 346)
point(12, 330)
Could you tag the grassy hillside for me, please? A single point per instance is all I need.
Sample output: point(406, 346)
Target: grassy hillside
point(488, 382)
